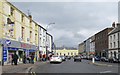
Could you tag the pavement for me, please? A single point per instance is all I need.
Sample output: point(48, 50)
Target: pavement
point(107, 64)
point(20, 68)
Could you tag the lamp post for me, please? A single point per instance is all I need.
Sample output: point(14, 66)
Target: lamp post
point(46, 39)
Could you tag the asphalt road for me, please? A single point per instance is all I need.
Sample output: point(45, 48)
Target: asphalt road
point(70, 66)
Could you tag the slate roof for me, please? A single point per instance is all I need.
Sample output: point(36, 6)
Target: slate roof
point(115, 30)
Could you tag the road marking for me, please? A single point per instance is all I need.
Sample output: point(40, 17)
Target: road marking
point(33, 73)
point(106, 72)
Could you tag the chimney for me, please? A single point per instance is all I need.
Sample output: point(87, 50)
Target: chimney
point(113, 25)
point(118, 25)
point(30, 16)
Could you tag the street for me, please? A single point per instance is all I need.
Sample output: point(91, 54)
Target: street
point(70, 66)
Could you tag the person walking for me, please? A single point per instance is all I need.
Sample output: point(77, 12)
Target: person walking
point(24, 59)
point(32, 58)
point(12, 61)
point(15, 58)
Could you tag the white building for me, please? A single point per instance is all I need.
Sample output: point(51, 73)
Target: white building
point(49, 42)
point(114, 44)
point(42, 40)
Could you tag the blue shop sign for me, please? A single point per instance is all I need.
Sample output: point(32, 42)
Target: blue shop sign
point(31, 50)
point(7, 42)
point(11, 48)
point(5, 53)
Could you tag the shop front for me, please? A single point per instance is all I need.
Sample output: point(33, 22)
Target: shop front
point(9, 47)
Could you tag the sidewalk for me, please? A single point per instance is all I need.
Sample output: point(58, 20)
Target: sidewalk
point(20, 68)
point(107, 64)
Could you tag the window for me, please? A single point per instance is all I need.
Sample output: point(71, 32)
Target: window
point(68, 53)
point(114, 44)
point(22, 18)
point(22, 33)
point(110, 45)
point(30, 34)
point(12, 11)
point(110, 37)
point(114, 36)
point(36, 38)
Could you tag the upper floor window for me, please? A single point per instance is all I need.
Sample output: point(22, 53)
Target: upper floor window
point(12, 11)
point(110, 45)
point(36, 37)
point(22, 18)
point(114, 36)
point(30, 34)
point(22, 32)
point(114, 44)
point(110, 37)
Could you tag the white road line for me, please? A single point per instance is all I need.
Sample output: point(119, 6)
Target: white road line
point(106, 72)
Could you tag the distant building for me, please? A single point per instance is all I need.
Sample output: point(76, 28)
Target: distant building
point(92, 45)
point(81, 47)
point(114, 41)
point(87, 47)
point(49, 42)
point(66, 52)
point(101, 42)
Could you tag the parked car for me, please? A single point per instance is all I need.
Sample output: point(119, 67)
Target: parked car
point(77, 58)
point(68, 57)
point(103, 59)
point(97, 58)
point(63, 58)
point(55, 59)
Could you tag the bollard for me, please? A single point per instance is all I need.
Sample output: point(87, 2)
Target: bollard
point(93, 60)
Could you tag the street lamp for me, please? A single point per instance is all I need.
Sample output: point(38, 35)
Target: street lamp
point(46, 39)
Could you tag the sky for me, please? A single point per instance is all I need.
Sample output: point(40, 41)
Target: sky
point(75, 21)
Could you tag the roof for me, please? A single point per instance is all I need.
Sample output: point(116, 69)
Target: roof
point(115, 30)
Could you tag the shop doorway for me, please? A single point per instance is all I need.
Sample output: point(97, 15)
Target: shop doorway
point(20, 53)
point(10, 53)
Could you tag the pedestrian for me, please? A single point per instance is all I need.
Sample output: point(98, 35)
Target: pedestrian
point(12, 61)
point(28, 59)
point(15, 58)
point(24, 59)
point(32, 58)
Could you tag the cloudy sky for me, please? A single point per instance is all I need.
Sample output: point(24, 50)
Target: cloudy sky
point(74, 21)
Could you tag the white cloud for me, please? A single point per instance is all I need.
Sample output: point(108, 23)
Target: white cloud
point(74, 22)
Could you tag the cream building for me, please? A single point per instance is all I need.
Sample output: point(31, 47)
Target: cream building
point(18, 33)
point(66, 52)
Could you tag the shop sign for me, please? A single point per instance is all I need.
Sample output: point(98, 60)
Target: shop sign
point(7, 42)
point(23, 45)
point(5, 53)
point(11, 48)
point(31, 50)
